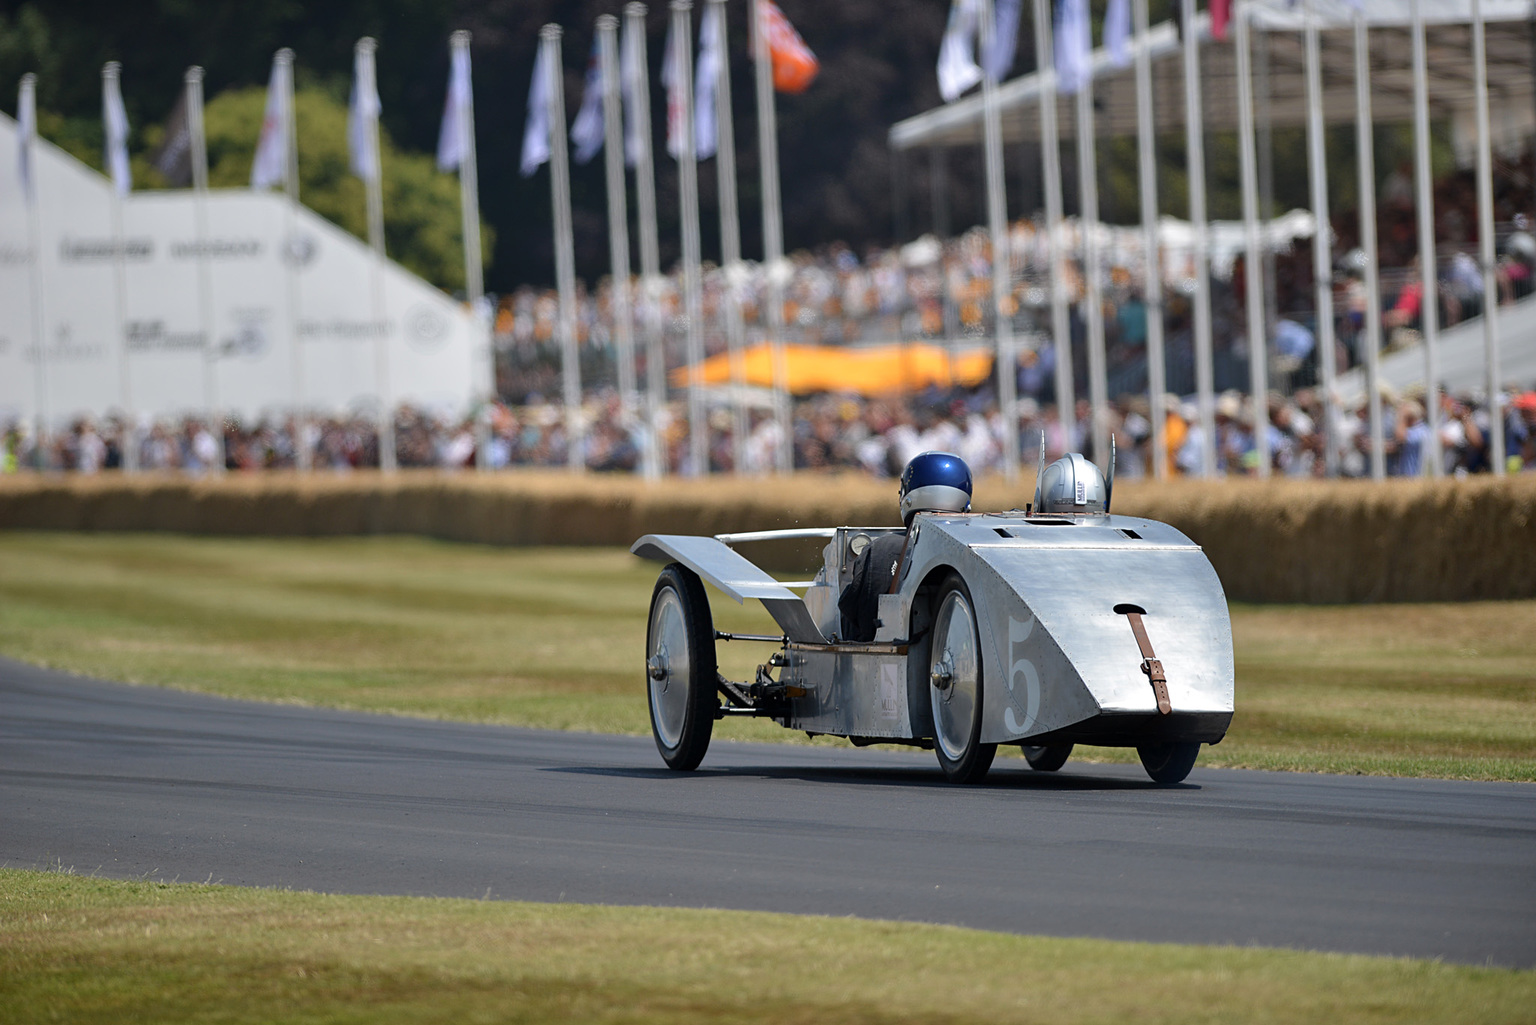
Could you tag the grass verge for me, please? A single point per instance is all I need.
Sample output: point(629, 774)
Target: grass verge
point(93, 950)
point(553, 638)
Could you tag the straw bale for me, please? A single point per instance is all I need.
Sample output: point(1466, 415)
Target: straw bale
point(1279, 541)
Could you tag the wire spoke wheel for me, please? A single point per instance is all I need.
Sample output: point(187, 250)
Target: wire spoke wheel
point(680, 668)
point(955, 686)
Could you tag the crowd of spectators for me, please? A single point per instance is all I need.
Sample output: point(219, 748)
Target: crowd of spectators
point(933, 290)
point(830, 432)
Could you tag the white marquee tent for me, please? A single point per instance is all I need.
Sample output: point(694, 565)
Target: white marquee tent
point(291, 301)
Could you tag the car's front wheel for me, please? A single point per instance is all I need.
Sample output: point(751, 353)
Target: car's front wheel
point(1168, 763)
point(955, 686)
point(1047, 757)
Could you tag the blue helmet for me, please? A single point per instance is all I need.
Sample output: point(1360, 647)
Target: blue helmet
point(935, 482)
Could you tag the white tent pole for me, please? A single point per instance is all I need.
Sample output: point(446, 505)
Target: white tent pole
point(730, 238)
point(474, 272)
point(110, 73)
point(655, 463)
point(1258, 350)
point(373, 185)
point(1322, 249)
point(997, 224)
point(618, 208)
point(194, 84)
point(773, 237)
point(26, 113)
point(1093, 303)
point(1495, 439)
point(1365, 157)
point(1050, 153)
point(1194, 131)
point(565, 249)
point(1157, 383)
point(688, 203)
point(1429, 304)
point(303, 457)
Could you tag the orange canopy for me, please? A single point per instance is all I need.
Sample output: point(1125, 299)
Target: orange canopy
point(880, 370)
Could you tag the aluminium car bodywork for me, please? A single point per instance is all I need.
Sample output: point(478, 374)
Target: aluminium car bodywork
point(1096, 628)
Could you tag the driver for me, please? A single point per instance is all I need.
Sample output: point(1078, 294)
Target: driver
point(932, 482)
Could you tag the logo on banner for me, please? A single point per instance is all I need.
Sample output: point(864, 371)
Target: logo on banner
point(299, 249)
point(96, 250)
point(154, 336)
point(250, 335)
point(425, 327)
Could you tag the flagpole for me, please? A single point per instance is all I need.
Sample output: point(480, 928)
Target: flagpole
point(655, 465)
point(110, 86)
point(194, 84)
point(730, 235)
point(773, 236)
point(997, 226)
point(565, 248)
point(618, 208)
point(1050, 152)
point(1258, 350)
point(474, 272)
point(1194, 134)
point(1429, 311)
point(1157, 383)
point(1495, 441)
point(688, 202)
point(1088, 186)
point(366, 87)
point(1322, 257)
point(1365, 159)
point(303, 456)
point(26, 115)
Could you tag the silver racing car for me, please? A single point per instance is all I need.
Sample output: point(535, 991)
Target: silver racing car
point(1054, 625)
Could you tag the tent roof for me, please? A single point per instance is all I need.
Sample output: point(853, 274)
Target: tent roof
point(1448, 40)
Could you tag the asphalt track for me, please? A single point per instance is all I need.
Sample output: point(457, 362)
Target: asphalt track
point(135, 782)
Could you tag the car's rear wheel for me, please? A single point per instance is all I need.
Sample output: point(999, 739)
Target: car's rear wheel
point(1168, 763)
point(955, 686)
point(680, 668)
point(1047, 757)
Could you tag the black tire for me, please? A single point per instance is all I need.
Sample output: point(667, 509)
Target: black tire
point(680, 668)
point(1047, 757)
point(1168, 763)
point(955, 686)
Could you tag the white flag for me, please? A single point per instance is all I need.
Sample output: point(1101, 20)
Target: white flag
point(706, 131)
point(1117, 32)
point(271, 164)
point(26, 134)
point(635, 91)
point(536, 130)
point(363, 116)
point(116, 118)
point(674, 65)
point(957, 51)
point(587, 130)
point(452, 147)
point(1005, 39)
point(1072, 45)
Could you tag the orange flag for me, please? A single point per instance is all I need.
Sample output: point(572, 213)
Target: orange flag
point(794, 65)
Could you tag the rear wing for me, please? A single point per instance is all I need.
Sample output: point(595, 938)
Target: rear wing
point(717, 563)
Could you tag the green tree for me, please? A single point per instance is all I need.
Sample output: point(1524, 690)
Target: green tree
point(422, 220)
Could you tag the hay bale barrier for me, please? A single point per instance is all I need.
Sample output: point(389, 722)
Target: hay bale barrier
point(1270, 541)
